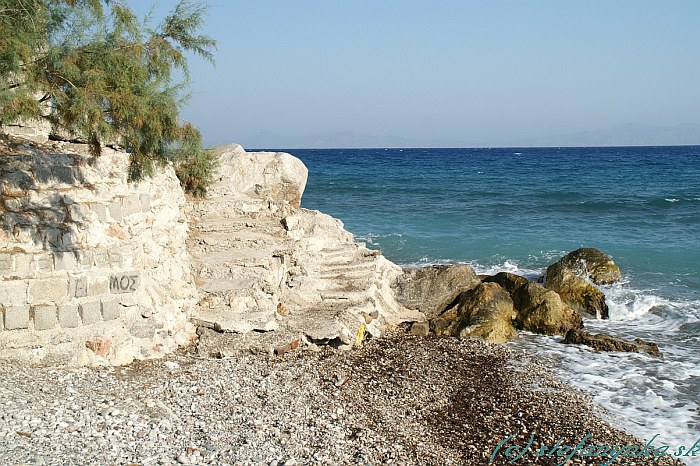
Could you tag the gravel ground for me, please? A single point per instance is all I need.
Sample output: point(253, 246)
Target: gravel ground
point(400, 400)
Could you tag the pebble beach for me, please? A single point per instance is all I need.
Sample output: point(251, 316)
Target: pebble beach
point(400, 399)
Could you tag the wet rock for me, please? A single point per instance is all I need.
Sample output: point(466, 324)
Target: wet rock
point(543, 311)
point(508, 281)
point(539, 310)
point(420, 328)
point(486, 311)
point(431, 289)
point(575, 275)
point(603, 342)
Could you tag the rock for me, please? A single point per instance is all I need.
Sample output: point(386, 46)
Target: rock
point(603, 342)
point(539, 310)
point(575, 275)
point(99, 345)
point(543, 311)
point(592, 263)
point(420, 328)
point(508, 281)
point(433, 288)
point(485, 311)
point(274, 176)
point(281, 350)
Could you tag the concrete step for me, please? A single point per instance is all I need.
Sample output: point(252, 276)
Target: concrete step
point(348, 269)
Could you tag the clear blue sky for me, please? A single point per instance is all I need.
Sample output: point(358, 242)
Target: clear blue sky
point(474, 72)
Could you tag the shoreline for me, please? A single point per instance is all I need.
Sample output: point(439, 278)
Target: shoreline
point(399, 399)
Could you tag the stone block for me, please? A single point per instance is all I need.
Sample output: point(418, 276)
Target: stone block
point(110, 310)
point(100, 210)
point(64, 175)
point(53, 239)
point(131, 204)
point(78, 212)
point(42, 173)
point(16, 317)
point(68, 200)
point(6, 264)
point(127, 256)
point(145, 200)
point(115, 211)
point(78, 287)
point(24, 265)
point(115, 258)
point(15, 204)
point(68, 316)
point(13, 292)
point(67, 240)
point(44, 262)
point(47, 290)
point(45, 317)
point(142, 329)
point(90, 312)
point(85, 259)
point(65, 261)
point(101, 258)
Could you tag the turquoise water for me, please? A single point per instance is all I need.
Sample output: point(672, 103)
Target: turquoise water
point(521, 210)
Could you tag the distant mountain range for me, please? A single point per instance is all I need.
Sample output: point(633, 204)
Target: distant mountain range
point(330, 140)
point(631, 134)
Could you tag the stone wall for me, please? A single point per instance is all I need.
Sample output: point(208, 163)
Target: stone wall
point(93, 269)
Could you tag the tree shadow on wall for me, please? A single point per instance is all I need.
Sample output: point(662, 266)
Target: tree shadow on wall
point(35, 197)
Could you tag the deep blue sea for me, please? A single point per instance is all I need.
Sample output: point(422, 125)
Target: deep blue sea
point(520, 210)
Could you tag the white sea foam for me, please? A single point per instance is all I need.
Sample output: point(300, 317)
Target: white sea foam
point(671, 199)
point(508, 266)
point(630, 304)
point(641, 394)
point(427, 261)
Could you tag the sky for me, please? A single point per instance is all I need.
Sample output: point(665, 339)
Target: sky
point(442, 72)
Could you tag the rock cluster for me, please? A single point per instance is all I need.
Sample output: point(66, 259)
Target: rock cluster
point(539, 310)
point(459, 303)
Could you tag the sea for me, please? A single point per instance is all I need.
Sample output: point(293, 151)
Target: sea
point(520, 210)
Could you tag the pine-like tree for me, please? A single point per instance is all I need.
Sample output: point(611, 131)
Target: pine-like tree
point(106, 76)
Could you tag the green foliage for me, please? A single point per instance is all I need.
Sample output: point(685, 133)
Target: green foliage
point(194, 165)
point(96, 71)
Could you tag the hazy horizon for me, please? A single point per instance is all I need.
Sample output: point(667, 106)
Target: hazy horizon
point(472, 73)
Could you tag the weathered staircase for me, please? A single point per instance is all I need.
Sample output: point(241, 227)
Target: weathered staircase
point(270, 273)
